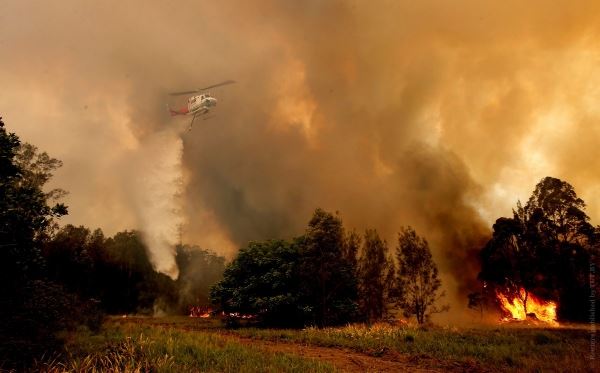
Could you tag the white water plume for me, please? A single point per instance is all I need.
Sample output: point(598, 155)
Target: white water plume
point(157, 189)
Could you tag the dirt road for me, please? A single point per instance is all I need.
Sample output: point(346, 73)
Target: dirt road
point(351, 361)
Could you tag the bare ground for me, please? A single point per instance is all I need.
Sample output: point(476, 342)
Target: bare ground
point(351, 361)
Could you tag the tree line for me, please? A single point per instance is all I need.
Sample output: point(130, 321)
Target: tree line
point(54, 279)
point(117, 274)
point(329, 276)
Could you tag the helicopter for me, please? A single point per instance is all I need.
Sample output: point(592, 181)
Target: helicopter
point(197, 105)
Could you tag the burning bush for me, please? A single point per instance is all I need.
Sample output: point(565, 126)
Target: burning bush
point(525, 306)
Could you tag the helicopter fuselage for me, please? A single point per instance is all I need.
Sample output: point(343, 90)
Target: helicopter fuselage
point(201, 104)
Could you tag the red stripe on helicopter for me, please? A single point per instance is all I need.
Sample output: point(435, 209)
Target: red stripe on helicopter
point(181, 111)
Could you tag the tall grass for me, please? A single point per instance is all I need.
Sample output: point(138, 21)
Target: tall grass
point(183, 344)
point(137, 348)
point(525, 349)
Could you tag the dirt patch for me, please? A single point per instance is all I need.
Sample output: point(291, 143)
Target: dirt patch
point(342, 359)
point(351, 361)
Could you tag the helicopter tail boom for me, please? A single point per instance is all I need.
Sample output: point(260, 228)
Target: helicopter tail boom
point(182, 111)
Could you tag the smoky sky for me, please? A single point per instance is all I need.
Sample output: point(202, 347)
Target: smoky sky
point(435, 114)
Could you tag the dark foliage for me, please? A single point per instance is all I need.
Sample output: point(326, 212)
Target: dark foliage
point(32, 307)
point(317, 279)
point(328, 276)
point(263, 282)
point(418, 281)
point(118, 274)
point(375, 277)
point(309, 281)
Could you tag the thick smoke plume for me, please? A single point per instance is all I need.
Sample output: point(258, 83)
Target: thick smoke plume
point(435, 114)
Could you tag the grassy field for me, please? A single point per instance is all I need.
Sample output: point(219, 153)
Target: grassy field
point(506, 348)
point(139, 347)
point(184, 344)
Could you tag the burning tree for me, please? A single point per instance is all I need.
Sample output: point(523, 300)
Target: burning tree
point(544, 249)
point(418, 282)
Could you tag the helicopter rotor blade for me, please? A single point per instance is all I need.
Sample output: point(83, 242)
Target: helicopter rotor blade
point(217, 85)
point(183, 93)
point(202, 89)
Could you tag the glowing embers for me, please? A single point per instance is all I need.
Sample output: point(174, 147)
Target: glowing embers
point(206, 312)
point(202, 312)
point(524, 306)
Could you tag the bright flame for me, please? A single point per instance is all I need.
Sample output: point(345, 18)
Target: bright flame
point(525, 304)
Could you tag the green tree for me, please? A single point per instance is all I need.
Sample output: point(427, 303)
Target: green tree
point(374, 271)
point(310, 280)
point(26, 213)
point(263, 281)
point(418, 282)
point(329, 285)
point(351, 248)
point(29, 320)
